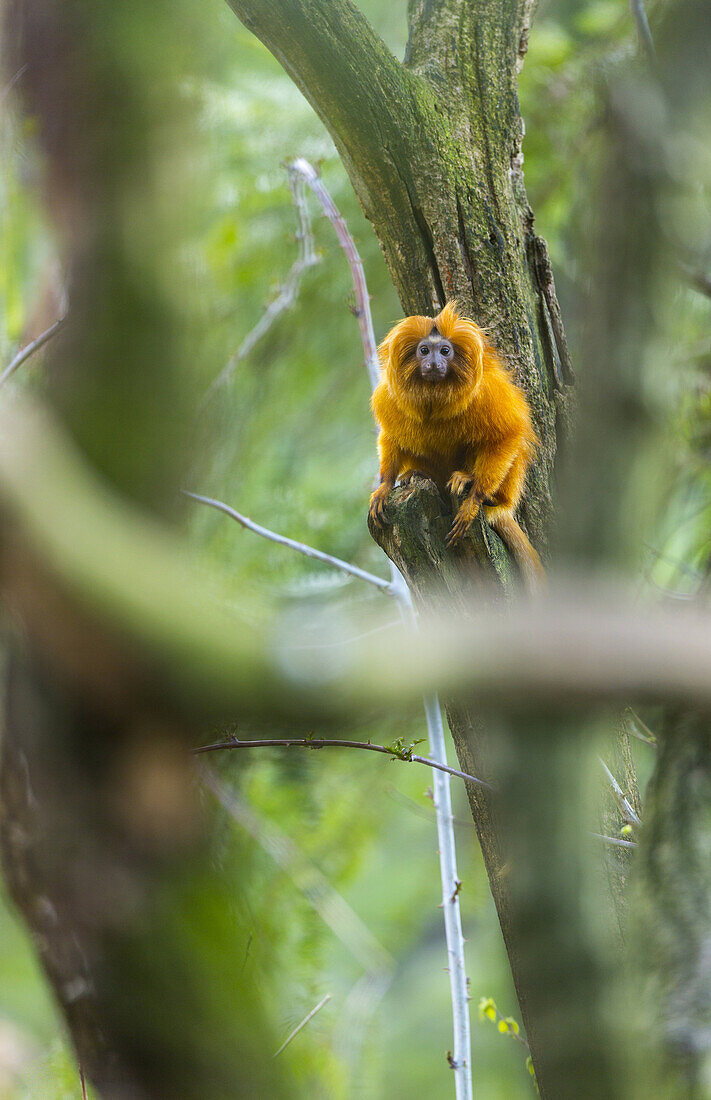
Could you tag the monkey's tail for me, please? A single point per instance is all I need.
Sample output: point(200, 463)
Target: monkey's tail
point(526, 558)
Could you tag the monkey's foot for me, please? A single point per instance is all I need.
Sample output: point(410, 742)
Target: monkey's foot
point(462, 522)
point(460, 483)
point(377, 507)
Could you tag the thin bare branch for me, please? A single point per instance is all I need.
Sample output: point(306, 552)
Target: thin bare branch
point(638, 728)
point(618, 842)
point(334, 743)
point(303, 1023)
point(300, 547)
point(301, 169)
point(288, 291)
point(643, 31)
point(24, 354)
point(461, 1062)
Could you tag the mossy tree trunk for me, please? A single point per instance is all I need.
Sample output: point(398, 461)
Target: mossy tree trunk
point(432, 146)
point(433, 149)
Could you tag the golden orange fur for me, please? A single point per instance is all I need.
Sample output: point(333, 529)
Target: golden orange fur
point(469, 431)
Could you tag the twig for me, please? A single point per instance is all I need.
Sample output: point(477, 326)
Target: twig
point(288, 292)
point(645, 35)
point(680, 566)
point(83, 1083)
point(333, 743)
point(303, 1023)
point(301, 547)
point(626, 808)
point(461, 1059)
point(617, 841)
point(12, 82)
point(30, 349)
point(300, 168)
point(638, 728)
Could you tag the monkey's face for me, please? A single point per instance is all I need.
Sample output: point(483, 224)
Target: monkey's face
point(434, 360)
point(434, 357)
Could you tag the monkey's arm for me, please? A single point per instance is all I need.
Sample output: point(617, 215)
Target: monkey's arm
point(482, 480)
point(489, 464)
point(391, 460)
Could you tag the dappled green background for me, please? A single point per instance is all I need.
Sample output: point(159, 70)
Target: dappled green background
point(290, 442)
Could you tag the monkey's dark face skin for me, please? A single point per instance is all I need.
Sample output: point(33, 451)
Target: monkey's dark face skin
point(434, 355)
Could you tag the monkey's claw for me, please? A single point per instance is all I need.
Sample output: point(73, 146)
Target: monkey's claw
point(460, 483)
point(462, 522)
point(377, 510)
point(457, 532)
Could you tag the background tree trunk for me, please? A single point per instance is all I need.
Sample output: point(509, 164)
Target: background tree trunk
point(104, 844)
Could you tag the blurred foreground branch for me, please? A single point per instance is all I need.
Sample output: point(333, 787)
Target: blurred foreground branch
point(584, 643)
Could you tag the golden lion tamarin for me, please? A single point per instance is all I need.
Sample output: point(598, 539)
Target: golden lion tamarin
point(448, 409)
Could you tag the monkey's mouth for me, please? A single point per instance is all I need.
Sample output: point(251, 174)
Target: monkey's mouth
point(433, 375)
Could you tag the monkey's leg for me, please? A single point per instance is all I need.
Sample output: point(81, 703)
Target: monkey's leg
point(464, 518)
point(492, 466)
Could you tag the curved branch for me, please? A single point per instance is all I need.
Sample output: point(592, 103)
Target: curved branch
point(300, 547)
point(334, 743)
point(30, 349)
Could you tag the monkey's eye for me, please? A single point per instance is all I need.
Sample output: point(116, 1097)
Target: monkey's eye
point(423, 349)
point(445, 349)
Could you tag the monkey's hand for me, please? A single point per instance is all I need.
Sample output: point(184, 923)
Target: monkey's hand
point(377, 504)
point(463, 521)
point(460, 483)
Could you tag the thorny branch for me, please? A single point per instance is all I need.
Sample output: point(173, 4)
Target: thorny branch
point(397, 752)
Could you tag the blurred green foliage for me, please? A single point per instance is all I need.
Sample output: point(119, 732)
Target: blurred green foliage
point(290, 442)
